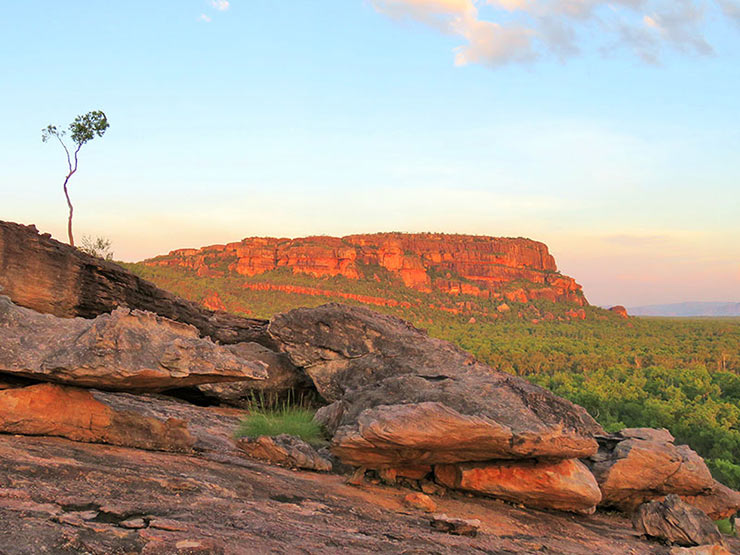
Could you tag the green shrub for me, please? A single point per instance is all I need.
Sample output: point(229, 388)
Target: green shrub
point(725, 526)
point(291, 420)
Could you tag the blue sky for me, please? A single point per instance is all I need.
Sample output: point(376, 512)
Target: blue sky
point(608, 130)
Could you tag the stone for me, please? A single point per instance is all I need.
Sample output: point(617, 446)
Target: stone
point(285, 450)
point(456, 526)
point(282, 378)
point(620, 311)
point(637, 465)
point(718, 503)
point(125, 350)
point(133, 523)
point(701, 550)
point(47, 276)
point(675, 521)
point(563, 485)
point(420, 501)
point(77, 414)
point(407, 399)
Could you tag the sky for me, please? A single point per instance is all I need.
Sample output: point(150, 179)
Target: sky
point(608, 130)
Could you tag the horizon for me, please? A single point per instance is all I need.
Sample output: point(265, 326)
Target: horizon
point(613, 142)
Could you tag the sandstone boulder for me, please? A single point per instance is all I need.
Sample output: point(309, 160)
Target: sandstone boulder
point(677, 522)
point(283, 378)
point(284, 450)
point(640, 464)
point(45, 275)
point(80, 415)
point(125, 350)
point(456, 526)
point(718, 503)
point(403, 398)
point(563, 485)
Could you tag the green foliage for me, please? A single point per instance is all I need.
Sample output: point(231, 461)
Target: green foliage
point(292, 420)
point(86, 127)
point(725, 526)
point(99, 247)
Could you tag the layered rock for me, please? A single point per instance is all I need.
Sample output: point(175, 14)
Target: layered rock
point(677, 522)
point(718, 502)
point(282, 378)
point(455, 264)
point(640, 464)
point(403, 398)
point(565, 485)
point(67, 282)
point(82, 415)
point(284, 450)
point(125, 350)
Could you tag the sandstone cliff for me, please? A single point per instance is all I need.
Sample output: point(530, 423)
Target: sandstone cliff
point(517, 270)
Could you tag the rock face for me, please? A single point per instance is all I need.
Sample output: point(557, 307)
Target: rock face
point(125, 350)
point(640, 464)
point(455, 264)
point(403, 398)
point(620, 311)
point(283, 378)
point(677, 522)
point(67, 282)
point(77, 414)
point(564, 485)
point(718, 503)
point(285, 450)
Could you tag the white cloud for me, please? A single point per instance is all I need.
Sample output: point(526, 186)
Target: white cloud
point(220, 5)
point(204, 18)
point(497, 32)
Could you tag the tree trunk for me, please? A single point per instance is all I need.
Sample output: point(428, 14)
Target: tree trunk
point(71, 211)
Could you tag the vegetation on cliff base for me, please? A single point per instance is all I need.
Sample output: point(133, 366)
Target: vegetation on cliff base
point(683, 375)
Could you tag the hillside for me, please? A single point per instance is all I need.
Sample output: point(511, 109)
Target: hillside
point(688, 309)
point(460, 274)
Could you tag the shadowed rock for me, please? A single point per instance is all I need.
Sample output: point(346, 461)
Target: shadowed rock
point(640, 464)
point(125, 350)
point(564, 485)
point(283, 378)
point(67, 282)
point(406, 398)
point(675, 521)
point(77, 414)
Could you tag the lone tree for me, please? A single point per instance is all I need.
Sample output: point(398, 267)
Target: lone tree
point(82, 130)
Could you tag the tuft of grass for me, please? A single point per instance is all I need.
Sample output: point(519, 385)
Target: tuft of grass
point(286, 419)
point(725, 526)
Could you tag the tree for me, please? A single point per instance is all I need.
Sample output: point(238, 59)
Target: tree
point(82, 130)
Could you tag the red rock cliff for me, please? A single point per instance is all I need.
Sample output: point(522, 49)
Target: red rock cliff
point(490, 267)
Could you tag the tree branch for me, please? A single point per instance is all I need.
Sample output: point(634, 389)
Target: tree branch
point(66, 150)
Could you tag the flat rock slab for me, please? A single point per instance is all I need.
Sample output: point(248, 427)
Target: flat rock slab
point(234, 505)
point(563, 485)
point(125, 350)
point(675, 521)
point(284, 450)
point(641, 464)
point(456, 526)
point(401, 397)
point(55, 410)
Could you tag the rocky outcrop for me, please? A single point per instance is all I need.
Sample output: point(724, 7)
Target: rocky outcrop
point(125, 350)
point(564, 485)
point(83, 415)
point(620, 311)
point(677, 522)
point(641, 464)
point(404, 398)
point(454, 264)
point(284, 450)
point(67, 282)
